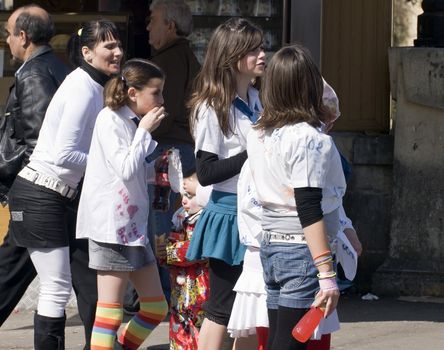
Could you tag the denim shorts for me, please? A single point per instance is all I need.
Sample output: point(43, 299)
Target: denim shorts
point(117, 257)
point(290, 275)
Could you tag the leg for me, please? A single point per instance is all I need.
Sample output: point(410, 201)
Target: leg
point(16, 274)
point(321, 344)
point(262, 337)
point(109, 314)
point(246, 343)
point(52, 266)
point(286, 320)
point(223, 277)
point(153, 307)
point(272, 320)
point(84, 279)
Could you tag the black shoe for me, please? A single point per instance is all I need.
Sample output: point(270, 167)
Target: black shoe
point(132, 309)
point(49, 332)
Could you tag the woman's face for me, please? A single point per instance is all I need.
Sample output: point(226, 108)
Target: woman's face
point(105, 57)
point(253, 63)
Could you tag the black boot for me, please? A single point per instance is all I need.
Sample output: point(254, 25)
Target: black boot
point(49, 332)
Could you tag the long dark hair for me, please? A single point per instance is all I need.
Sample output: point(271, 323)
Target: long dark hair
point(291, 90)
point(216, 82)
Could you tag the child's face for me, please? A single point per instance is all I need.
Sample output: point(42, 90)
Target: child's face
point(149, 97)
point(253, 63)
point(189, 203)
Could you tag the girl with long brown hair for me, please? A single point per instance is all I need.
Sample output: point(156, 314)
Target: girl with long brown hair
point(295, 167)
point(224, 106)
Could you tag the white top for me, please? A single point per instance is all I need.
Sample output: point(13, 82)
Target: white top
point(249, 210)
point(64, 139)
point(209, 137)
point(114, 203)
point(291, 157)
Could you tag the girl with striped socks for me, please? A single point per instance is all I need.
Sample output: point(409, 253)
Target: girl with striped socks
point(114, 204)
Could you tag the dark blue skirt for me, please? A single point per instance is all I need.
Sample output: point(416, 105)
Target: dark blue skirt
point(216, 234)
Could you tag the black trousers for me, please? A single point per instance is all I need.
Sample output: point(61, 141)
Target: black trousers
point(17, 273)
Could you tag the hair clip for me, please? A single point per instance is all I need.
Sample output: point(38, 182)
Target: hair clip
point(79, 32)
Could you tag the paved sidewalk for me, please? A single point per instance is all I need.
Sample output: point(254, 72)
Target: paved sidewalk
point(385, 324)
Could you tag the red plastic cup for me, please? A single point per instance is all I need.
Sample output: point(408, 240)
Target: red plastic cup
point(307, 324)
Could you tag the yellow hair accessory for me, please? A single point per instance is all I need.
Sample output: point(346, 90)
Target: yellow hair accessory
point(79, 32)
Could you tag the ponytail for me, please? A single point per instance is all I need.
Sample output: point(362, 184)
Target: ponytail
point(116, 92)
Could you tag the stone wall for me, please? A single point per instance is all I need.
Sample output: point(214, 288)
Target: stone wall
point(368, 198)
point(415, 260)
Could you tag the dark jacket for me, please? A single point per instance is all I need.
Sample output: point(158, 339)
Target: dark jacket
point(35, 83)
point(181, 67)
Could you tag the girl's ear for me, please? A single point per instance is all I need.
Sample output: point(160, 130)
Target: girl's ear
point(132, 94)
point(87, 54)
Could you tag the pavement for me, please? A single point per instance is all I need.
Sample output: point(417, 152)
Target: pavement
point(407, 323)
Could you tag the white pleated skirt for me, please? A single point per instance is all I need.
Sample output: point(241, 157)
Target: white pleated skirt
point(250, 306)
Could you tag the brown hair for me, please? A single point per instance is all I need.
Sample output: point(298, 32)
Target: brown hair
point(135, 73)
point(216, 82)
point(291, 90)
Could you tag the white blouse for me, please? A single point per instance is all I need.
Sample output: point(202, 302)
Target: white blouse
point(114, 203)
point(209, 137)
point(291, 157)
point(64, 139)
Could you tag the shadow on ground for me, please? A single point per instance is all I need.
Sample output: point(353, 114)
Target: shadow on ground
point(353, 309)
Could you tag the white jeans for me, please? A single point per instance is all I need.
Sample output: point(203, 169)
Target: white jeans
point(53, 268)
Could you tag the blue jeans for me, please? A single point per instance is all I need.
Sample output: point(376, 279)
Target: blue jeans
point(289, 274)
point(160, 222)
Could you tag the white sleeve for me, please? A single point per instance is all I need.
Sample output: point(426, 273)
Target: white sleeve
point(307, 159)
point(344, 220)
point(125, 156)
point(208, 134)
point(71, 130)
point(249, 209)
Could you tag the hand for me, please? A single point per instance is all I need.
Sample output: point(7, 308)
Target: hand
point(160, 248)
point(327, 300)
point(354, 240)
point(152, 119)
point(161, 253)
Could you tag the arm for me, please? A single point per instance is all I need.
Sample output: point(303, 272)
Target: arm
point(350, 231)
point(210, 169)
point(34, 92)
point(310, 157)
point(77, 119)
point(126, 156)
point(209, 140)
point(308, 203)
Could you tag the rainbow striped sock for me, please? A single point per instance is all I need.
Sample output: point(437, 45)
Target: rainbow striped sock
point(108, 319)
point(152, 312)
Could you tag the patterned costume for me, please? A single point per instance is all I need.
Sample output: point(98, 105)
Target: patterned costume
point(189, 285)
